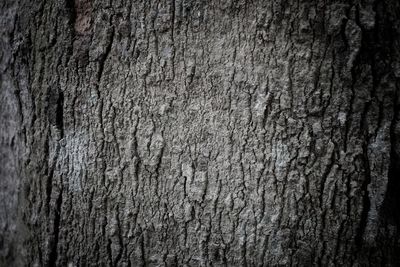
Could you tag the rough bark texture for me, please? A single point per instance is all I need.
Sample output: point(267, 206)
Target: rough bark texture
point(199, 133)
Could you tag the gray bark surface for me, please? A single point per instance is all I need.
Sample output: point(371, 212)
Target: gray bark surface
point(199, 133)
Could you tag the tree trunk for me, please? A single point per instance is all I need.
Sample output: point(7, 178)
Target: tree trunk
point(200, 133)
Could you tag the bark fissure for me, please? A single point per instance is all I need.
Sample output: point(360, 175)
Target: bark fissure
point(56, 231)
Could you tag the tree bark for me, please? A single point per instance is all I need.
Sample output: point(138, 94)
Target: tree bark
point(200, 133)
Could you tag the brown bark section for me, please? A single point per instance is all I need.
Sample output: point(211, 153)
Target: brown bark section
point(200, 133)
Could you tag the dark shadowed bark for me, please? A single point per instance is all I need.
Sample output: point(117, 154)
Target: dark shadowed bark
point(199, 133)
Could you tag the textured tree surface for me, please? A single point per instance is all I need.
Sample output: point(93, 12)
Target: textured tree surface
point(199, 133)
